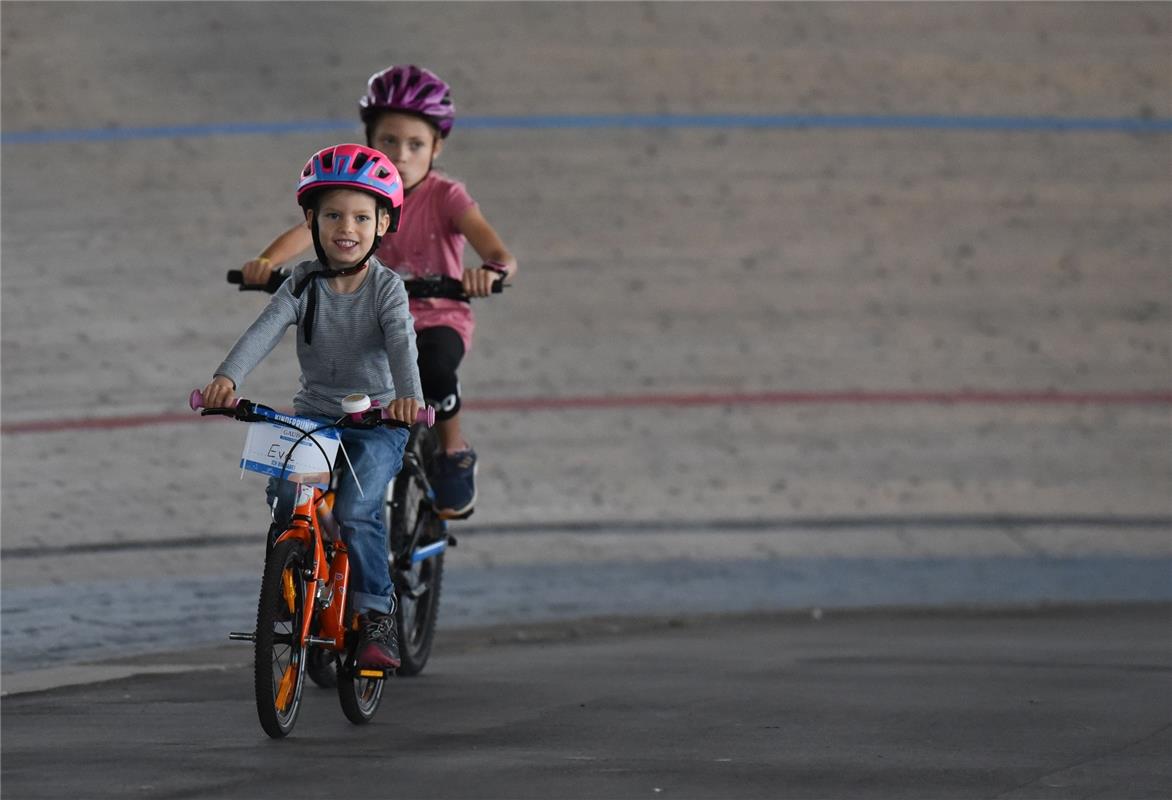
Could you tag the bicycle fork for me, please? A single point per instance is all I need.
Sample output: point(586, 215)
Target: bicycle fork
point(429, 550)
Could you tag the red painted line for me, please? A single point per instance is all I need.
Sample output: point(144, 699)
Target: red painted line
point(96, 423)
point(848, 397)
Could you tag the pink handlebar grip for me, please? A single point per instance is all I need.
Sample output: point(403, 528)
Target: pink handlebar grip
point(426, 416)
point(195, 400)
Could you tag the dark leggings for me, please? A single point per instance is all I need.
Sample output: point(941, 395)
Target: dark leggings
point(440, 353)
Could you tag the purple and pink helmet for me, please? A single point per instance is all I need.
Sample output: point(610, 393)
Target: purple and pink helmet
point(353, 166)
point(409, 89)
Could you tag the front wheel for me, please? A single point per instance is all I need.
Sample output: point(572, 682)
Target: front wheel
point(279, 662)
point(413, 524)
point(416, 612)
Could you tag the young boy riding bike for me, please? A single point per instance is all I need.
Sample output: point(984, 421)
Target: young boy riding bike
point(408, 113)
point(355, 335)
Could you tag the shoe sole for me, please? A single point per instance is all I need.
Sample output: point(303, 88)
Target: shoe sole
point(388, 667)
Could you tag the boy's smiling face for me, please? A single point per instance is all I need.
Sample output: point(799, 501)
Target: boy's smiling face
point(347, 223)
point(409, 142)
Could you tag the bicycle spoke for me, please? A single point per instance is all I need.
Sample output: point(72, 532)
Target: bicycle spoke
point(285, 690)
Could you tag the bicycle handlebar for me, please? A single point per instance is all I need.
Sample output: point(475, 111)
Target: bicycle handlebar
point(443, 287)
point(276, 278)
point(245, 410)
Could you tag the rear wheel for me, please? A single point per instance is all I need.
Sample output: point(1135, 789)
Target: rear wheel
point(358, 695)
point(321, 667)
point(279, 662)
point(413, 524)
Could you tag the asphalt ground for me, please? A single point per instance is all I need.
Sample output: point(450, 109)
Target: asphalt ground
point(1065, 703)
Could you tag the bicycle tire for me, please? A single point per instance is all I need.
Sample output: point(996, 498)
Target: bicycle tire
point(359, 697)
point(416, 618)
point(322, 667)
point(279, 665)
point(417, 586)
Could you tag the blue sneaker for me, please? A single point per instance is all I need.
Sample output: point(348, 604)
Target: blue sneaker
point(455, 484)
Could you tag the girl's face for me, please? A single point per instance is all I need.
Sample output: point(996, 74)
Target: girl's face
point(347, 223)
point(409, 142)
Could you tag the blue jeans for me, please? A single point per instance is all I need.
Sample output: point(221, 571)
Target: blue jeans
point(377, 455)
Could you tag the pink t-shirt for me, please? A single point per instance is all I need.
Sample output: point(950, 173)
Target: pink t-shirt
point(428, 243)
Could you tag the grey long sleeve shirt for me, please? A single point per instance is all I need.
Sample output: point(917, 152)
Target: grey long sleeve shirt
point(362, 342)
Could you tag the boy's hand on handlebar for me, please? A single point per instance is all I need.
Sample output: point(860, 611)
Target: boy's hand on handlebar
point(404, 409)
point(257, 271)
point(219, 393)
point(478, 282)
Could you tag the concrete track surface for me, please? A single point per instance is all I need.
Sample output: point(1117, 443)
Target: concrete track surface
point(900, 340)
point(1048, 705)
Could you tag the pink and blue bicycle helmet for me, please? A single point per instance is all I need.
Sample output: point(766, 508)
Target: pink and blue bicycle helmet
point(412, 90)
point(353, 166)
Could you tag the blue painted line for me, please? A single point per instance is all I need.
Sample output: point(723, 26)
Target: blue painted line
point(620, 121)
point(178, 131)
point(57, 623)
point(848, 121)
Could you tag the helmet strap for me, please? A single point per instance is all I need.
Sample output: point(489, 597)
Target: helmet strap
point(326, 272)
point(325, 262)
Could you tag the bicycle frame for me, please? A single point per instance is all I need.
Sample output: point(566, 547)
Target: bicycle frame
point(413, 470)
point(330, 576)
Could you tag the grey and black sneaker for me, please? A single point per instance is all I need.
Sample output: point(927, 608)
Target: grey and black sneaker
point(455, 485)
point(378, 648)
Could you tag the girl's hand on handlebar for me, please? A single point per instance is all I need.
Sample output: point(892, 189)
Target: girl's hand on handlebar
point(257, 271)
point(478, 282)
point(404, 409)
point(219, 393)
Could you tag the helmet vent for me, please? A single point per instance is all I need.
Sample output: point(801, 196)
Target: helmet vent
point(412, 90)
point(351, 166)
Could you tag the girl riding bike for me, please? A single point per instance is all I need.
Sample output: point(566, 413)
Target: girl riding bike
point(408, 114)
point(355, 335)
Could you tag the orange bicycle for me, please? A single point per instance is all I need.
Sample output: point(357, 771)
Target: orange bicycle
point(303, 595)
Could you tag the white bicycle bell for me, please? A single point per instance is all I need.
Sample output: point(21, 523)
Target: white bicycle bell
point(355, 403)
